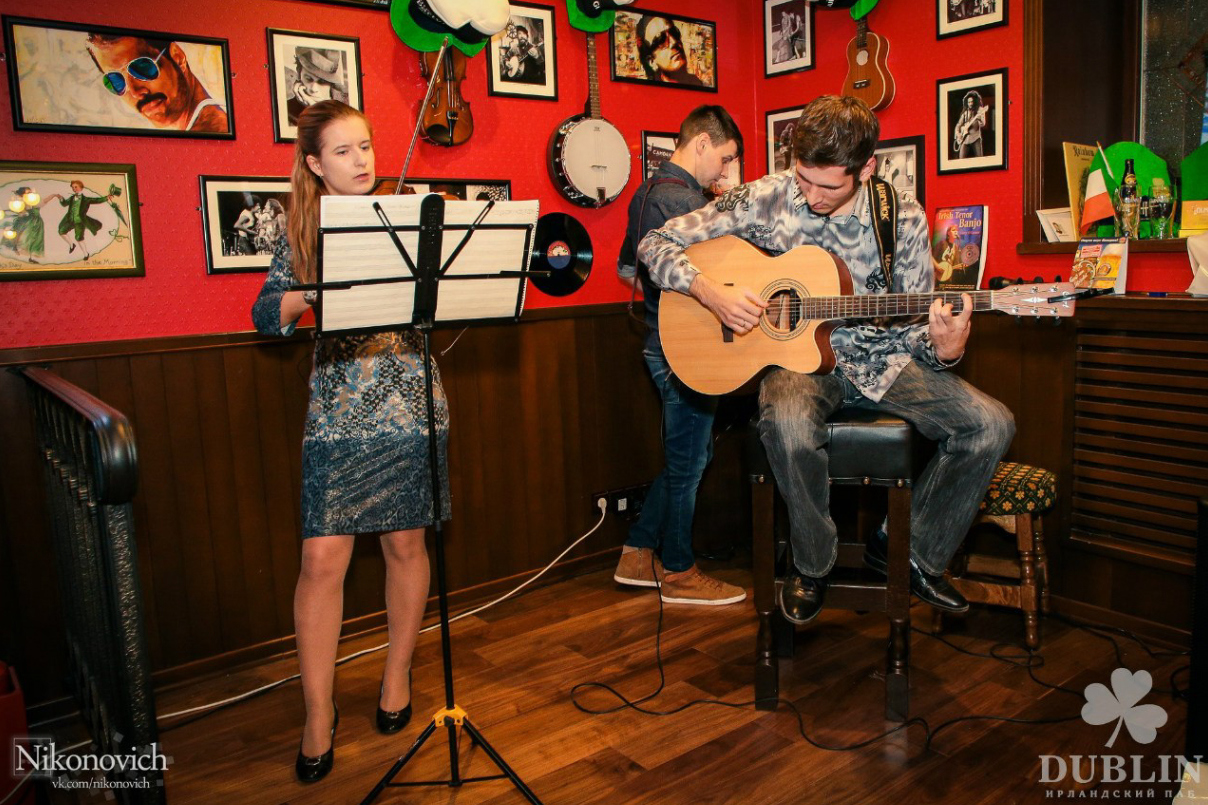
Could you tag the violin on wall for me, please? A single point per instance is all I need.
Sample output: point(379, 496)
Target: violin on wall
point(446, 117)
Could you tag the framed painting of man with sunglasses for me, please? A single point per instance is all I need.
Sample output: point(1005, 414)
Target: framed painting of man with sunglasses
point(94, 79)
point(650, 47)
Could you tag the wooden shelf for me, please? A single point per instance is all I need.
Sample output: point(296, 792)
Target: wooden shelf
point(1134, 246)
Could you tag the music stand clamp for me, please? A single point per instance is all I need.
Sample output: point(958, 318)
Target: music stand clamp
point(426, 272)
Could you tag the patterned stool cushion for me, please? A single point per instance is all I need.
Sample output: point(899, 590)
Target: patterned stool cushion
point(1019, 489)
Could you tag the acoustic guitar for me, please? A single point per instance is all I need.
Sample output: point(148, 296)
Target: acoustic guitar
point(589, 160)
point(868, 75)
point(809, 294)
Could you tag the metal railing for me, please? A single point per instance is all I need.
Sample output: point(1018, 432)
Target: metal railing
point(91, 471)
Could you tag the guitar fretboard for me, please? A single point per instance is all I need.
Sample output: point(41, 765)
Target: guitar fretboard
point(862, 33)
point(876, 305)
point(593, 78)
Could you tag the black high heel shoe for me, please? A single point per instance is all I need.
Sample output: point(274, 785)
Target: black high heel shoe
point(313, 769)
point(390, 722)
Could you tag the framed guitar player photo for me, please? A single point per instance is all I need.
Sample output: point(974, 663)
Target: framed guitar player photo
point(956, 17)
point(788, 36)
point(668, 50)
point(971, 128)
point(521, 59)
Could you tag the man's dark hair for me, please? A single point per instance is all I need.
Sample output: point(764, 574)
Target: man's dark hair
point(714, 121)
point(520, 28)
point(836, 130)
point(645, 46)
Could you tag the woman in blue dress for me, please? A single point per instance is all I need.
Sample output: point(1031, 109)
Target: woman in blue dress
point(365, 445)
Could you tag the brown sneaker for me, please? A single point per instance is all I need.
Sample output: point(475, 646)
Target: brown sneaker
point(634, 569)
point(694, 587)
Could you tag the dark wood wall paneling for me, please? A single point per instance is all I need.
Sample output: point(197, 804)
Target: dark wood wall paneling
point(544, 415)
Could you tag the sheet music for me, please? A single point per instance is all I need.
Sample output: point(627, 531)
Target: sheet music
point(371, 255)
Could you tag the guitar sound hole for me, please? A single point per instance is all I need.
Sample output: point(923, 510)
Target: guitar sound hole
point(784, 311)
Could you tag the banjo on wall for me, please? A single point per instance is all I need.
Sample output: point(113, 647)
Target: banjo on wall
point(589, 160)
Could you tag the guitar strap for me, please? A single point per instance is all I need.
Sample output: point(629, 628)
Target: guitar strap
point(883, 205)
point(648, 185)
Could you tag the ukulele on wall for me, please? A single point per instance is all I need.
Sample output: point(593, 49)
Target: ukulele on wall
point(589, 161)
point(868, 75)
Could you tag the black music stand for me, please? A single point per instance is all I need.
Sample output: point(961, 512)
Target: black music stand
point(359, 244)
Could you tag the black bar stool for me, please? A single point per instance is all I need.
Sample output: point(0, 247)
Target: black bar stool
point(866, 448)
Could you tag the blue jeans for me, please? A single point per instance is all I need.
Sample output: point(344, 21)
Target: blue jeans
point(666, 519)
point(972, 431)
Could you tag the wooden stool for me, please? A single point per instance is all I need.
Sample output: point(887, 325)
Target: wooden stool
point(1018, 494)
point(865, 448)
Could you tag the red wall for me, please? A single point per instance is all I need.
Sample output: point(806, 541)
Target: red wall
point(176, 297)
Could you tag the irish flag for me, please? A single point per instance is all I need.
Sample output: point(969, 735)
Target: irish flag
point(1098, 204)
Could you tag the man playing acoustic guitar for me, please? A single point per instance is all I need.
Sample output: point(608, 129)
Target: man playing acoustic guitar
point(825, 199)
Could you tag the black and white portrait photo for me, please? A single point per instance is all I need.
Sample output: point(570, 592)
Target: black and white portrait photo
point(902, 163)
point(972, 122)
point(962, 16)
point(521, 58)
point(245, 218)
point(788, 36)
point(308, 68)
point(780, 127)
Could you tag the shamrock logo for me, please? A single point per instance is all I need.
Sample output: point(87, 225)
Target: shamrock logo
point(1102, 706)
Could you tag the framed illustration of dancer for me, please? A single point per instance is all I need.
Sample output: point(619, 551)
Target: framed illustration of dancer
point(244, 218)
point(903, 163)
point(781, 123)
point(788, 36)
point(650, 47)
point(522, 58)
point(956, 17)
point(306, 68)
point(971, 128)
point(99, 80)
point(67, 219)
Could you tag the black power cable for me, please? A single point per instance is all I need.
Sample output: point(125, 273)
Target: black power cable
point(1022, 658)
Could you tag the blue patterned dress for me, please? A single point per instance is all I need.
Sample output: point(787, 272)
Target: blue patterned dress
point(365, 444)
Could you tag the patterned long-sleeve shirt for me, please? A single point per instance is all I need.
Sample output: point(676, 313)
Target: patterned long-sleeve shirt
point(773, 214)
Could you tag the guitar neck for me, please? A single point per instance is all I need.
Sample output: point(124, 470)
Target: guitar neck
point(873, 306)
point(593, 78)
point(862, 33)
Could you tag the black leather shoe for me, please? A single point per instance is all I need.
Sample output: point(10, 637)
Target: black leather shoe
point(391, 721)
point(313, 769)
point(800, 598)
point(930, 589)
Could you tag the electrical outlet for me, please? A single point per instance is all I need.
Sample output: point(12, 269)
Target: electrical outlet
point(626, 501)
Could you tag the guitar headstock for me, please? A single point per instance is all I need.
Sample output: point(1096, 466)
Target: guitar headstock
point(1040, 299)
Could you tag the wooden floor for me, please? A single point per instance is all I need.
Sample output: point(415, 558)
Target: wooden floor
point(515, 666)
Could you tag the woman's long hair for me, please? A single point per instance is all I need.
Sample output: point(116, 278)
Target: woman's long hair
point(306, 188)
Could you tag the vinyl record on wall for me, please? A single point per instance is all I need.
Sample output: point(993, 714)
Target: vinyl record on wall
point(562, 247)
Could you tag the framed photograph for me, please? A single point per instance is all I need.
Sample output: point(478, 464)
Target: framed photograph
point(902, 163)
point(97, 80)
point(244, 219)
point(306, 68)
point(522, 60)
point(650, 47)
point(656, 147)
point(972, 122)
point(781, 123)
point(1058, 225)
point(955, 17)
point(67, 219)
point(788, 36)
point(461, 189)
